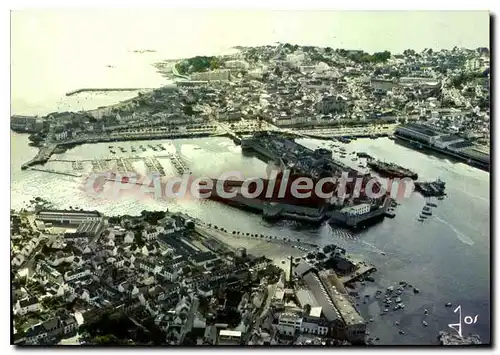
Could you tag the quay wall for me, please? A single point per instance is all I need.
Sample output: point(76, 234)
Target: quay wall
point(462, 158)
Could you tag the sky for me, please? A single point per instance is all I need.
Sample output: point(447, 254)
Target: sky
point(55, 51)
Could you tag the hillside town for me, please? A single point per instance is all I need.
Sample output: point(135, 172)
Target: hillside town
point(287, 87)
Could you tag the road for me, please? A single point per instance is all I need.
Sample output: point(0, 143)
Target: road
point(189, 321)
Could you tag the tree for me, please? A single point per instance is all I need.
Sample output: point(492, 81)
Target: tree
point(188, 110)
point(408, 52)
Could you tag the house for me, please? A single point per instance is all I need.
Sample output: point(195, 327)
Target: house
point(76, 274)
point(18, 260)
point(205, 291)
point(152, 233)
point(27, 305)
point(289, 323)
point(48, 273)
point(150, 266)
point(314, 323)
point(229, 337)
point(59, 258)
point(42, 332)
point(332, 104)
point(128, 289)
point(129, 238)
point(202, 258)
point(169, 273)
point(148, 249)
point(70, 325)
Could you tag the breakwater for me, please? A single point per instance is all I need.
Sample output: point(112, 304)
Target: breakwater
point(77, 91)
point(57, 172)
point(42, 156)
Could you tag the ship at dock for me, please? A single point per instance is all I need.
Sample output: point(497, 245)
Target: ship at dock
point(391, 170)
point(431, 189)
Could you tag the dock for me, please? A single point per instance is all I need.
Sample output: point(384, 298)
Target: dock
point(361, 270)
point(178, 163)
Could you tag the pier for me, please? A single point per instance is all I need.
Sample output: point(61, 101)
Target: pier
point(56, 172)
point(42, 156)
point(77, 91)
point(361, 270)
point(179, 164)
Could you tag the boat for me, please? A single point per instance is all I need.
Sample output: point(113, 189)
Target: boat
point(440, 198)
point(423, 216)
point(391, 170)
point(364, 155)
point(427, 213)
point(426, 208)
point(390, 213)
point(354, 159)
point(420, 219)
point(344, 140)
point(112, 152)
point(431, 204)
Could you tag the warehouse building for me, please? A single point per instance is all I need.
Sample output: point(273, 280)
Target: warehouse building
point(418, 132)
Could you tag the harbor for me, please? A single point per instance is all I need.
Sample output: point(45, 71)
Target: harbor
point(396, 255)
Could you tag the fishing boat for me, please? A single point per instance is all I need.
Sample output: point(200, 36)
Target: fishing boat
point(427, 213)
point(440, 198)
point(431, 204)
point(423, 216)
point(420, 220)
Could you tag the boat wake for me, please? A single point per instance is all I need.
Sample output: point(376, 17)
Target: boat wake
point(462, 237)
point(346, 235)
point(343, 234)
point(373, 247)
point(472, 195)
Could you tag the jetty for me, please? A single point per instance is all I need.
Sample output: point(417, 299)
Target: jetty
point(57, 172)
point(42, 156)
point(77, 91)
